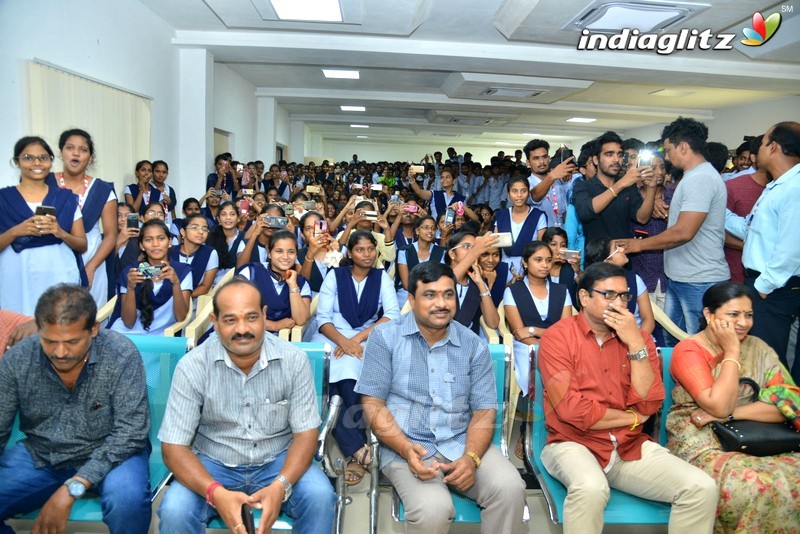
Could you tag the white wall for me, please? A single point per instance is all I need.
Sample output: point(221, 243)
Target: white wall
point(344, 150)
point(282, 127)
point(121, 43)
point(730, 124)
point(235, 112)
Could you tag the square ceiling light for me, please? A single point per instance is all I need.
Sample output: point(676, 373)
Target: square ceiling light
point(308, 10)
point(647, 16)
point(340, 74)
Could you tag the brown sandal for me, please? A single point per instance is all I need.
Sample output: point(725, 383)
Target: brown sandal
point(363, 457)
point(353, 473)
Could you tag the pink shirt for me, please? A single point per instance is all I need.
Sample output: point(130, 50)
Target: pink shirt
point(743, 192)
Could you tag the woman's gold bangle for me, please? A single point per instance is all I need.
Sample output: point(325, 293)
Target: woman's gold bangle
point(734, 361)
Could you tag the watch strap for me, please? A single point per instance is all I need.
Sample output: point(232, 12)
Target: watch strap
point(475, 458)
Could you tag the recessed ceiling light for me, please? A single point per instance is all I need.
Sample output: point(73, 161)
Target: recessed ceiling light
point(353, 108)
point(359, 126)
point(647, 16)
point(502, 143)
point(362, 137)
point(341, 74)
point(313, 10)
point(531, 134)
point(580, 119)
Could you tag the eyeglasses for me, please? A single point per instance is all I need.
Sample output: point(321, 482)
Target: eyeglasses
point(465, 246)
point(155, 213)
point(44, 158)
point(203, 229)
point(625, 296)
point(426, 227)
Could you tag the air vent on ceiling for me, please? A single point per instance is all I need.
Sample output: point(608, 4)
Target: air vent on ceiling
point(510, 92)
point(439, 134)
point(604, 16)
point(469, 121)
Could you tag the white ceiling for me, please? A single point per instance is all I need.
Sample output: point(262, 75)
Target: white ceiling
point(425, 62)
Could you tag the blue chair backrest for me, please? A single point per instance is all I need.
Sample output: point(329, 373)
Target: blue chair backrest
point(669, 385)
point(317, 357)
point(500, 363)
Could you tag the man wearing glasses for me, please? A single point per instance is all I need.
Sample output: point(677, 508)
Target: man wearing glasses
point(602, 381)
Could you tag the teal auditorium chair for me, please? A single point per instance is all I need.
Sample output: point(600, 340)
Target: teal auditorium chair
point(319, 357)
point(622, 508)
point(467, 511)
point(160, 356)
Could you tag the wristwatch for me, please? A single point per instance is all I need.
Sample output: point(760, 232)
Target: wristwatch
point(531, 330)
point(639, 355)
point(475, 458)
point(75, 487)
point(287, 487)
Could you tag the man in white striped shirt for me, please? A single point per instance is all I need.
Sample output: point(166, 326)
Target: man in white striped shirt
point(241, 427)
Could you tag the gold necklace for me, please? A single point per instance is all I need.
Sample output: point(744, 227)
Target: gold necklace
point(713, 346)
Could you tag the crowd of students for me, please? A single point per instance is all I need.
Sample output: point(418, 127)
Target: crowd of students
point(518, 232)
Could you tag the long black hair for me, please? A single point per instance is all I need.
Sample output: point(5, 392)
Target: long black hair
point(145, 306)
point(218, 241)
point(719, 294)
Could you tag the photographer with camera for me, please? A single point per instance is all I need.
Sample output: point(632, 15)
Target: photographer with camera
point(546, 182)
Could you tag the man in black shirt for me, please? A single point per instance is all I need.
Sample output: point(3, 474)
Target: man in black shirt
point(607, 203)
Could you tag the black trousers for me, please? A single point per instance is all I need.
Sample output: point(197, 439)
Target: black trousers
point(349, 430)
point(774, 315)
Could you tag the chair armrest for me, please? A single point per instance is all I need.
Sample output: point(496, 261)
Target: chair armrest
point(666, 323)
point(107, 309)
point(490, 333)
point(327, 426)
point(173, 329)
point(285, 333)
point(198, 326)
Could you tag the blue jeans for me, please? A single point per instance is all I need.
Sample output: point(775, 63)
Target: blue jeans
point(124, 492)
point(684, 305)
point(310, 506)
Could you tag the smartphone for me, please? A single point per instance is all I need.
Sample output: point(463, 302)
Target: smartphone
point(416, 169)
point(394, 199)
point(45, 210)
point(239, 167)
point(248, 520)
point(355, 187)
point(248, 192)
point(645, 159)
point(504, 240)
point(284, 174)
point(150, 271)
point(640, 234)
point(218, 192)
point(376, 187)
point(244, 207)
point(309, 205)
point(412, 208)
point(288, 209)
point(371, 215)
point(278, 223)
point(246, 176)
point(625, 161)
point(569, 254)
point(320, 228)
point(450, 217)
point(314, 189)
point(132, 220)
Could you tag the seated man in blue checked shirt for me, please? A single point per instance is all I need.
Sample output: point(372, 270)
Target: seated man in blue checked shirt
point(82, 400)
point(241, 427)
point(429, 396)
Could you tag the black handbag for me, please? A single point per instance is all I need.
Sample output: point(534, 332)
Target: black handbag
point(754, 437)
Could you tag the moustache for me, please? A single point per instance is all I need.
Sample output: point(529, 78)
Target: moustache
point(236, 337)
point(441, 310)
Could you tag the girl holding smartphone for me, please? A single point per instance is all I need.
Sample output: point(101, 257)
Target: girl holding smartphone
point(155, 293)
